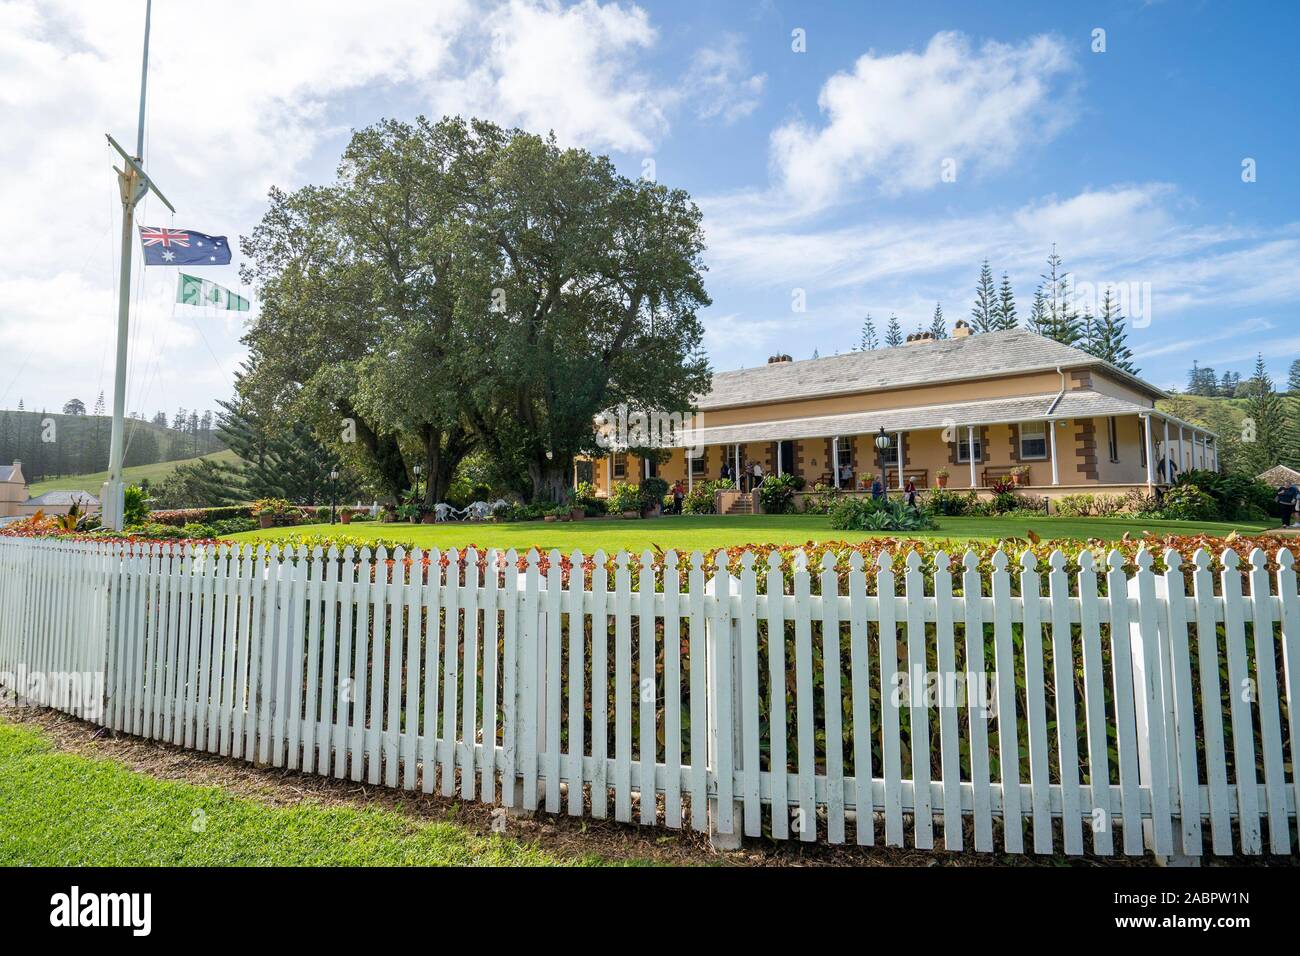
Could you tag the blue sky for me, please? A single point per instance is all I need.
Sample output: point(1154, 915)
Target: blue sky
point(819, 172)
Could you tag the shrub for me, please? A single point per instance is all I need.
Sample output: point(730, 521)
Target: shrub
point(134, 509)
point(862, 513)
point(1084, 506)
point(652, 492)
point(183, 516)
point(777, 493)
point(1236, 497)
point(1186, 502)
point(224, 526)
point(700, 500)
point(625, 497)
point(941, 501)
point(1005, 498)
point(820, 499)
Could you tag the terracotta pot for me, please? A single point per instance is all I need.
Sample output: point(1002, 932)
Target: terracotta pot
point(266, 521)
point(577, 514)
point(941, 480)
point(548, 517)
point(631, 514)
point(345, 517)
point(429, 517)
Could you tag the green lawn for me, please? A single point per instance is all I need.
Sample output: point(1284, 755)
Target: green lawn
point(155, 473)
point(61, 809)
point(711, 532)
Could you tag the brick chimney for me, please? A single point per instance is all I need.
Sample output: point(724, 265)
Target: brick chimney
point(961, 329)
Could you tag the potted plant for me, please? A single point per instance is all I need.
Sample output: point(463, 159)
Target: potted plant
point(270, 511)
point(345, 515)
point(626, 500)
point(1020, 475)
point(941, 477)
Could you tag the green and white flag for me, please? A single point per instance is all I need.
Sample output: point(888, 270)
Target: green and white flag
point(191, 290)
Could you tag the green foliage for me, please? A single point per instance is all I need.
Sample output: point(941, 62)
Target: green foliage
point(625, 497)
point(864, 513)
point(820, 499)
point(461, 285)
point(700, 499)
point(1005, 498)
point(1083, 506)
point(1236, 497)
point(280, 511)
point(202, 483)
point(776, 494)
point(652, 492)
point(134, 507)
point(1186, 502)
point(942, 501)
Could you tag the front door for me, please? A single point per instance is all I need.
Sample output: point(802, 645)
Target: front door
point(787, 458)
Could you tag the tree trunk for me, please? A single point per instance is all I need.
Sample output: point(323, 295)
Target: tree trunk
point(550, 481)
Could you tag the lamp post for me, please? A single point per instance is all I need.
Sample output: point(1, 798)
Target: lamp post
point(416, 470)
point(882, 443)
point(334, 487)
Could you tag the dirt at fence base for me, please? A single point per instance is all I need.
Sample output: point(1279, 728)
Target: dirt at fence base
point(558, 834)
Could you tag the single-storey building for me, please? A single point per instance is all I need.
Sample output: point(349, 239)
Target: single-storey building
point(965, 411)
point(14, 499)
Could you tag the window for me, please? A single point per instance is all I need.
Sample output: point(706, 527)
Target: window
point(889, 456)
point(845, 452)
point(697, 466)
point(620, 465)
point(964, 448)
point(1033, 440)
point(1112, 438)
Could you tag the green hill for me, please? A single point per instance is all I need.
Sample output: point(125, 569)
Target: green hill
point(155, 473)
point(51, 444)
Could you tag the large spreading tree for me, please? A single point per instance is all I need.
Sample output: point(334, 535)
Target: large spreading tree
point(465, 287)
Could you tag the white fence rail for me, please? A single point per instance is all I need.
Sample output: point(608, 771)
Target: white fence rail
point(1077, 708)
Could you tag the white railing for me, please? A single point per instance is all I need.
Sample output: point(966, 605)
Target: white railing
point(1119, 701)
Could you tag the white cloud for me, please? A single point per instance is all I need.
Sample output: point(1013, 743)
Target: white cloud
point(717, 84)
point(895, 119)
point(543, 66)
point(244, 95)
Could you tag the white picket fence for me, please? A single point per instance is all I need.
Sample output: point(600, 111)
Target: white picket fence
point(1120, 703)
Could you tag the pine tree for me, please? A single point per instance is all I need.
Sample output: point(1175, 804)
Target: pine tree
point(1006, 313)
point(1063, 323)
point(1229, 383)
point(1266, 421)
point(893, 332)
point(1293, 378)
point(1105, 335)
point(984, 313)
point(869, 341)
point(938, 328)
point(1038, 313)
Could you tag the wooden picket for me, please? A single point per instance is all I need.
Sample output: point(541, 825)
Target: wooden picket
point(742, 690)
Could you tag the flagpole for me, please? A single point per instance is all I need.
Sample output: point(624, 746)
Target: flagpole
point(133, 185)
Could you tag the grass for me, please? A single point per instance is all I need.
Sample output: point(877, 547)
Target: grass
point(690, 533)
point(63, 809)
point(155, 473)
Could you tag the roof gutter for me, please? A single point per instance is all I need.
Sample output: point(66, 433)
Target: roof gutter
point(1059, 395)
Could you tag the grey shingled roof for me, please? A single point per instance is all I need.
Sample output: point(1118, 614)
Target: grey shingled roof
point(1076, 404)
point(60, 498)
point(1279, 476)
point(983, 355)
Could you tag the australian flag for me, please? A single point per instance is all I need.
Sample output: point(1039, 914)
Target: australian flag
point(183, 247)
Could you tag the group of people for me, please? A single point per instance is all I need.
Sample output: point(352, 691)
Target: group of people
point(749, 477)
point(879, 492)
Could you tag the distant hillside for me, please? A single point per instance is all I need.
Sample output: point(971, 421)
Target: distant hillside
point(134, 475)
point(51, 445)
point(1210, 412)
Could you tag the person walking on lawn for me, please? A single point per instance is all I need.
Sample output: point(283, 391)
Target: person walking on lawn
point(1287, 498)
point(679, 493)
point(909, 490)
